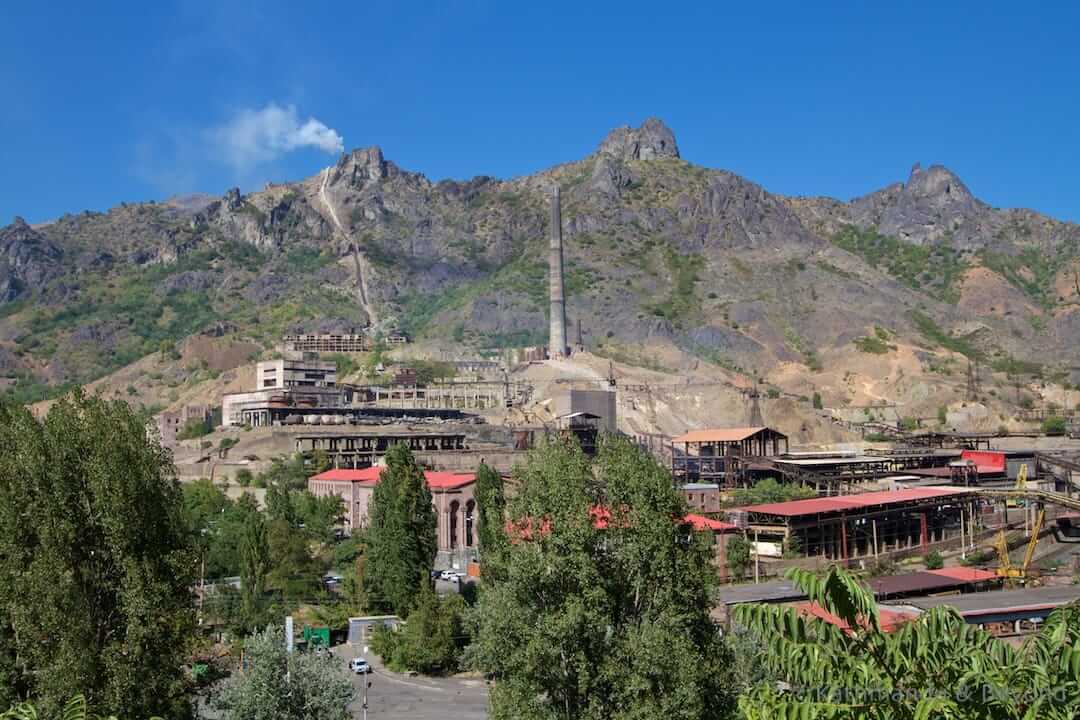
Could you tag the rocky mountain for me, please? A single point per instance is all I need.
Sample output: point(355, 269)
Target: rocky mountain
point(660, 252)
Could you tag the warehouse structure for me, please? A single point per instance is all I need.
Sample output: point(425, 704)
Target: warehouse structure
point(846, 527)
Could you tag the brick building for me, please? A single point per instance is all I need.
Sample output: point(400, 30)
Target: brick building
point(451, 495)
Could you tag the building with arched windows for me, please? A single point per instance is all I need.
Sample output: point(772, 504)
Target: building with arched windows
point(451, 496)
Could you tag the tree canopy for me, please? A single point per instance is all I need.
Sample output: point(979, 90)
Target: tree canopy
point(599, 605)
point(96, 559)
point(491, 508)
point(276, 685)
point(401, 542)
point(934, 666)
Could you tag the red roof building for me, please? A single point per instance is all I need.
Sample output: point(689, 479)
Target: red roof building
point(451, 495)
point(863, 525)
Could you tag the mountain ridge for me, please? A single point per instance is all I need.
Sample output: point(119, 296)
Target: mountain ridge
point(658, 251)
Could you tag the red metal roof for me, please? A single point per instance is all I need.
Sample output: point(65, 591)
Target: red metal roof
point(985, 462)
point(964, 574)
point(816, 506)
point(370, 476)
point(889, 620)
point(700, 522)
point(448, 481)
point(712, 435)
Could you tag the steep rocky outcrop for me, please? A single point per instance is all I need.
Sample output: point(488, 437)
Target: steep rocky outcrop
point(657, 250)
point(28, 260)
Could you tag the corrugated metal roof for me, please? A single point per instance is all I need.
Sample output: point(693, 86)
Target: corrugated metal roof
point(1002, 601)
point(771, 592)
point(889, 619)
point(711, 435)
point(700, 522)
point(916, 582)
point(815, 506)
point(965, 574)
point(370, 476)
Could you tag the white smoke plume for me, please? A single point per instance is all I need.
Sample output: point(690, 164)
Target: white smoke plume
point(253, 137)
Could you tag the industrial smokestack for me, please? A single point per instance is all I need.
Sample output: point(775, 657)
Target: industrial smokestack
point(557, 340)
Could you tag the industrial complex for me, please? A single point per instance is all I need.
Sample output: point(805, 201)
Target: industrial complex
point(874, 507)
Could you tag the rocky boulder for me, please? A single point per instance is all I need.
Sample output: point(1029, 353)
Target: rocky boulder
point(650, 141)
point(27, 260)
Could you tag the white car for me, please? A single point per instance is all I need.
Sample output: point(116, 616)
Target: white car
point(360, 666)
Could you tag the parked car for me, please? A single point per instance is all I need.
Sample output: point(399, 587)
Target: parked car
point(436, 574)
point(360, 666)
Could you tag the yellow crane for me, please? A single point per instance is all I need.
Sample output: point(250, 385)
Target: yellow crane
point(1021, 484)
point(1005, 568)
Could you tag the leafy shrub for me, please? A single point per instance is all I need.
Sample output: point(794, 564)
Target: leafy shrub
point(934, 561)
point(738, 555)
point(1054, 425)
point(816, 400)
point(193, 428)
point(873, 345)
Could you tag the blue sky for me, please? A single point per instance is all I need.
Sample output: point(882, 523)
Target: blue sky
point(109, 102)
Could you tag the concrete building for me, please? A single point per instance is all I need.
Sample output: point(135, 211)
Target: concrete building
point(328, 342)
point(451, 495)
point(296, 386)
point(169, 422)
point(600, 403)
point(701, 497)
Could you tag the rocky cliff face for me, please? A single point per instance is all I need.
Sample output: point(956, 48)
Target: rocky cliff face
point(658, 250)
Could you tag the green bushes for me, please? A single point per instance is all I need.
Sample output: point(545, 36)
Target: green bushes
point(194, 428)
point(1054, 425)
point(936, 335)
point(934, 561)
point(935, 268)
point(431, 639)
point(873, 345)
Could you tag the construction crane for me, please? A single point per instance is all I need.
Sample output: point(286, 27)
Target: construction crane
point(1005, 568)
point(1021, 484)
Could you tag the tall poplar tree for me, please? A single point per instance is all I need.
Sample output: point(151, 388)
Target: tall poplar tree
point(401, 535)
point(599, 606)
point(491, 508)
point(96, 561)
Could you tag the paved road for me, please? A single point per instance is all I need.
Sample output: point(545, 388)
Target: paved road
point(416, 698)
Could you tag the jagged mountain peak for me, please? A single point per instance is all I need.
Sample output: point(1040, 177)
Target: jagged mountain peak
point(653, 139)
point(937, 181)
point(360, 166)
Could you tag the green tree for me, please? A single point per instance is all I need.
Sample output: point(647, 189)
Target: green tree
point(599, 607)
point(194, 428)
point(768, 490)
point(401, 543)
point(816, 401)
point(75, 709)
point(277, 685)
point(935, 666)
point(254, 565)
point(491, 509)
point(293, 570)
point(319, 515)
point(934, 561)
point(432, 638)
point(738, 555)
point(1054, 425)
point(96, 561)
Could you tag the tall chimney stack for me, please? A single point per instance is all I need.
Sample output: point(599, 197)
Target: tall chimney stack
point(557, 341)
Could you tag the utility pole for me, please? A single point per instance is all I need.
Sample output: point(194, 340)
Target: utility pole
point(757, 563)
